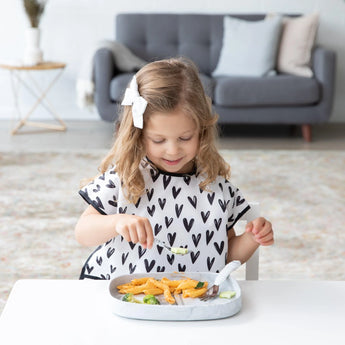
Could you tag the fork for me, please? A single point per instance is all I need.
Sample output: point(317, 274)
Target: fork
point(222, 275)
point(164, 245)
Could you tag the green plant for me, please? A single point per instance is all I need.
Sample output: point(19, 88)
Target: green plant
point(34, 10)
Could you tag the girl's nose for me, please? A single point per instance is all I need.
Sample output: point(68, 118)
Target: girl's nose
point(172, 148)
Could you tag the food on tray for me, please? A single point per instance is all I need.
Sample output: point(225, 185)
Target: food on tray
point(150, 299)
point(150, 286)
point(179, 250)
point(227, 294)
point(129, 297)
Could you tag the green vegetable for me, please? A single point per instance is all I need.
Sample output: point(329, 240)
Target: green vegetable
point(199, 285)
point(178, 250)
point(129, 297)
point(150, 299)
point(227, 294)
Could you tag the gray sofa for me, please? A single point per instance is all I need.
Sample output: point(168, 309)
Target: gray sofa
point(281, 99)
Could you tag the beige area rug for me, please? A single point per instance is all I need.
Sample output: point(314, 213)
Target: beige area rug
point(301, 192)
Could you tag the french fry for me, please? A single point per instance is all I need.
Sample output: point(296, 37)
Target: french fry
point(193, 292)
point(165, 286)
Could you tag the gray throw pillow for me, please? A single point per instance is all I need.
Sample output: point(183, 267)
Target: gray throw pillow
point(249, 48)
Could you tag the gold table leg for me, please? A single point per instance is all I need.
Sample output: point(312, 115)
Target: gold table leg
point(41, 99)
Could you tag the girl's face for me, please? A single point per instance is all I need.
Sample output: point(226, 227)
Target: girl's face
point(171, 141)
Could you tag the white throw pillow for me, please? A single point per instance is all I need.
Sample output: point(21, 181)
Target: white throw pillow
point(249, 48)
point(298, 37)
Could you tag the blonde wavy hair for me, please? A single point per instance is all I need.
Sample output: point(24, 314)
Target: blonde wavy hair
point(166, 85)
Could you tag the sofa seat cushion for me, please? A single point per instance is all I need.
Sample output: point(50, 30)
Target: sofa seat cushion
point(274, 90)
point(118, 86)
point(120, 82)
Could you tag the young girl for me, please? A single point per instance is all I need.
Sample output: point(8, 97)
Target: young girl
point(164, 179)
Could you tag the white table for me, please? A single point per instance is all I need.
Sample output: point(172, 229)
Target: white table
point(77, 312)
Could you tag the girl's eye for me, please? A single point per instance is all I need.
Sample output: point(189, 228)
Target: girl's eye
point(186, 139)
point(158, 141)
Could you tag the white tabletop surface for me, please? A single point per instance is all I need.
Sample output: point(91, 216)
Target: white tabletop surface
point(78, 312)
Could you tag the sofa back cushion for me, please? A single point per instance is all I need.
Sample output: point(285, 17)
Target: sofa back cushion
point(159, 36)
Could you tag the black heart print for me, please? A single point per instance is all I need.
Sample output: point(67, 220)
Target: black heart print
point(132, 245)
point(160, 249)
point(137, 203)
point(162, 202)
point(181, 268)
point(102, 177)
point(209, 235)
point(110, 184)
point(187, 180)
point(160, 269)
point(171, 238)
point(124, 257)
point(112, 269)
point(178, 210)
point(217, 223)
point(99, 260)
point(122, 210)
point(188, 224)
point(196, 239)
point(158, 228)
point(110, 252)
point(171, 258)
point(239, 201)
point(151, 210)
point(113, 202)
point(220, 186)
point(89, 269)
point(149, 193)
point(232, 193)
point(98, 203)
point(223, 204)
point(97, 189)
point(154, 175)
point(132, 268)
point(193, 201)
point(194, 256)
point(210, 197)
point(205, 216)
point(141, 251)
point(175, 192)
point(220, 247)
point(210, 262)
point(168, 221)
point(166, 181)
point(148, 265)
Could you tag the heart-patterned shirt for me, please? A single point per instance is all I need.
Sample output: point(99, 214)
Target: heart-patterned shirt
point(180, 213)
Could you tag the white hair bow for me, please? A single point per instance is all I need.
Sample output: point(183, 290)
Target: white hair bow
point(138, 103)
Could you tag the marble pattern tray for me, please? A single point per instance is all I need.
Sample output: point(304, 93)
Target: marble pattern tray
point(185, 308)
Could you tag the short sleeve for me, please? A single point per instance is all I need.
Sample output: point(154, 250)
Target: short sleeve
point(102, 192)
point(237, 205)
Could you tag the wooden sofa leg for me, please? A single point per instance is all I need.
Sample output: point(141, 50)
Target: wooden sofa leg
point(306, 132)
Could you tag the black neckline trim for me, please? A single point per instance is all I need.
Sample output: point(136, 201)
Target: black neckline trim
point(148, 162)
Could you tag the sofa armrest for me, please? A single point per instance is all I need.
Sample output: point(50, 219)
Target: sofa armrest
point(104, 71)
point(324, 66)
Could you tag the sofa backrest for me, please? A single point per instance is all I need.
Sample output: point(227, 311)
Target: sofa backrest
point(159, 36)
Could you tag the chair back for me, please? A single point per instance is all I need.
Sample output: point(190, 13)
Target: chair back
point(252, 265)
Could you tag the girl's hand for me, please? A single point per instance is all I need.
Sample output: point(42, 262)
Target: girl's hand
point(135, 229)
point(262, 231)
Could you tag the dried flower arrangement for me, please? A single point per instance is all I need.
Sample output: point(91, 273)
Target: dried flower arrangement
point(34, 10)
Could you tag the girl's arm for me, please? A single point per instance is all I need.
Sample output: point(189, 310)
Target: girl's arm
point(93, 228)
point(242, 247)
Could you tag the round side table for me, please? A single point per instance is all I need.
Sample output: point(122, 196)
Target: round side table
point(39, 93)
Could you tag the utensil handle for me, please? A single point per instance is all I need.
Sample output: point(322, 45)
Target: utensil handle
point(226, 271)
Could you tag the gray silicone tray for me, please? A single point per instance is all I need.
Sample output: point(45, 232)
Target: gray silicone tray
point(185, 309)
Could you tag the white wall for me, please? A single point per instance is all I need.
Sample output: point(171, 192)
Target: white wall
point(70, 28)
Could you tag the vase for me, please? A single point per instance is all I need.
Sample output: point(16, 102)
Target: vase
point(33, 54)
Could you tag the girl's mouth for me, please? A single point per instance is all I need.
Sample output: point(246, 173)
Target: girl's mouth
point(169, 162)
